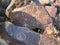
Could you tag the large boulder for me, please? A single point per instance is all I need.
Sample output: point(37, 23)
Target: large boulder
point(31, 16)
point(25, 36)
point(57, 22)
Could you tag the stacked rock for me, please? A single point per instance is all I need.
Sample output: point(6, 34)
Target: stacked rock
point(28, 16)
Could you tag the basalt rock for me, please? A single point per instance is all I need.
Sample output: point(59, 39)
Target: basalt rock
point(25, 36)
point(3, 42)
point(5, 3)
point(2, 14)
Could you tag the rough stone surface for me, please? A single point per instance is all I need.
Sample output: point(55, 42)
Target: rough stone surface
point(57, 3)
point(31, 16)
point(26, 36)
point(3, 42)
point(46, 1)
point(51, 10)
point(57, 22)
point(4, 3)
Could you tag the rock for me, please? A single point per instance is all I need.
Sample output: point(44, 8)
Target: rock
point(57, 22)
point(43, 2)
point(31, 16)
point(26, 36)
point(37, 2)
point(51, 10)
point(2, 19)
point(57, 3)
point(5, 3)
point(3, 42)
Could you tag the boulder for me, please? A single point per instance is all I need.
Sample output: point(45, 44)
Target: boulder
point(25, 36)
point(5, 3)
point(31, 16)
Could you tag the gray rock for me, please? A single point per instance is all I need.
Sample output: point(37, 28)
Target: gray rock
point(57, 22)
point(26, 36)
point(5, 3)
point(43, 2)
point(3, 42)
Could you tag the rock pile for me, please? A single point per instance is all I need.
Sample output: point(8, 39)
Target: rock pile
point(29, 15)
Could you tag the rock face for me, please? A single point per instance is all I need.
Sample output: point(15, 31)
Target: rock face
point(31, 16)
point(51, 10)
point(26, 36)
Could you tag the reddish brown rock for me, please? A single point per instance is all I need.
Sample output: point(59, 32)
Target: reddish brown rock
point(51, 10)
point(31, 16)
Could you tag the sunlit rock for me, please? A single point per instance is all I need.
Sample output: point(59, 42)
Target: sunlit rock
point(31, 16)
point(46, 1)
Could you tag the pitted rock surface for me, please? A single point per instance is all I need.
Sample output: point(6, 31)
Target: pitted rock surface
point(26, 36)
point(31, 16)
point(57, 22)
point(51, 10)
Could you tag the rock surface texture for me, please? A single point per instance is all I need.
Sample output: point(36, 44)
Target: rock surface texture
point(31, 16)
point(51, 10)
point(26, 36)
point(31, 22)
point(46, 1)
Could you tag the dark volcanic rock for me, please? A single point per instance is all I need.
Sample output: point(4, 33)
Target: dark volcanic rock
point(2, 14)
point(57, 22)
point(4, 3)
point(26, 36)
point(2, 11)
